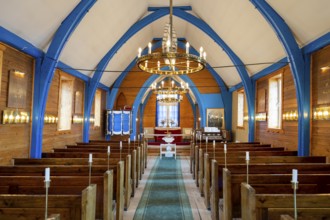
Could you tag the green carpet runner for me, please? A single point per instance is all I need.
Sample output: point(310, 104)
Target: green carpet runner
point(164, 196)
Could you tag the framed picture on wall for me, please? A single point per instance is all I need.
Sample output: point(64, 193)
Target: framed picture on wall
point(215, 117)
point(17, 89)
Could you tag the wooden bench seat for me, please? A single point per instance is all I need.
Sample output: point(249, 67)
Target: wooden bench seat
point(271, 204)
point(217, 175)
point(312, 183)
point(72, 171)
point(69, 207)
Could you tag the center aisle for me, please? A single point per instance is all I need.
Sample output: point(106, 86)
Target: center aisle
point(164, 196)
point(138, 210)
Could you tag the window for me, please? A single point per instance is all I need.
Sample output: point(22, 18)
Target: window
point(275, 102)
point(97, 109)
point(167, 115)
point(65, 103)
point(240, 109)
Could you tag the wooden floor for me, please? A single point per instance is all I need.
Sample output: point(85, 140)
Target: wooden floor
point(196, 201)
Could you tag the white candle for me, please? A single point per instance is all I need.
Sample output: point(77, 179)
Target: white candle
point(204, 55)
point(201, 51)
point(206, 139)
point(213, 143)
point(168, 45)
point(187, 47)
point(225, 148)
point(90, 160)
point(108, 149)
point(121, 145)
point(140, 51)
point(47, 174)
point(134, 138)
point(247, 155)
point(295, 176)
point(129, 140)
point(149, 48)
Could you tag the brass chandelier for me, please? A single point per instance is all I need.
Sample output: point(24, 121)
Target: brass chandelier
point(170, 95)
point(169, 61)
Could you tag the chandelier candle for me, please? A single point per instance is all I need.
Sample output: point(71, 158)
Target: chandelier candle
point(295, 187)
point(90, 161)
point(247, 158)
point(47, 185)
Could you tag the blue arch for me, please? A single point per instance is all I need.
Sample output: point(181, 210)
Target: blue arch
point(91, 87)
point(300, 75)
point(44, 72)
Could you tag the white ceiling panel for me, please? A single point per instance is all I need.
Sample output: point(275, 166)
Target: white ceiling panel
point(307, 19)
point(35, 21)
point(126, 55)
point(216, 57)
point(157, 3)
point(243, 29)
point(102, 27)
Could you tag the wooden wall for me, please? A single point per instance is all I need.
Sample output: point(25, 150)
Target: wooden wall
point(98, 133)
point(320, 137)
point(288, 136)
point(54, 138)
point(14, 138)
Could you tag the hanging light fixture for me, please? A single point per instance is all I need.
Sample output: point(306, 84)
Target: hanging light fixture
point(171, 94)
point(170, 61)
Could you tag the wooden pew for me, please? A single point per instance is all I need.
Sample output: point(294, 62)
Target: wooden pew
point(70, 207)
point(115, 192)
point(85, 154)
point(253, 160)
point(83, 161)
point(232, 183)
point(257, 205)
point(115, 145)
point(217, 176)
point(200, 150)
point(63, 185)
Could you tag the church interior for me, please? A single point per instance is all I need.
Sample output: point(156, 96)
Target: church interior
point(177, 109)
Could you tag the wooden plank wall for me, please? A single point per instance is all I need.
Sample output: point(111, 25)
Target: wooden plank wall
point(288, 136)
point(98, 133)
point(14, 138)
point(54, 138)
point(320, 137)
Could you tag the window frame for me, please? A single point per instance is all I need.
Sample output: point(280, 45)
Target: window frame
point(97, 111)
point(65, 77)
point(240, 92)
point(280, 109)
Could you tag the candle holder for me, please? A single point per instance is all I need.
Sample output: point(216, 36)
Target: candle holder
point(295, 187)
point(247, 171)
point(108, 159)
point(47, 185)
point(225, 151)
point(90, 173)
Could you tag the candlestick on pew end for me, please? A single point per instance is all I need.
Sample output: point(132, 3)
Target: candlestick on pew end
point(129, 144)
point(120, 148)
point(247, 158)
point(213, 148)
point(108, 153)
point(206, 141)
point(47, 185)
point(295, 187)
point(225, 151)
point(134, 141)
point(90, 161)
point(200, 141)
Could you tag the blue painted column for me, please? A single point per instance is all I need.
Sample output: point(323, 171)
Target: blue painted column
point(298, 67)
point(45, 68)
